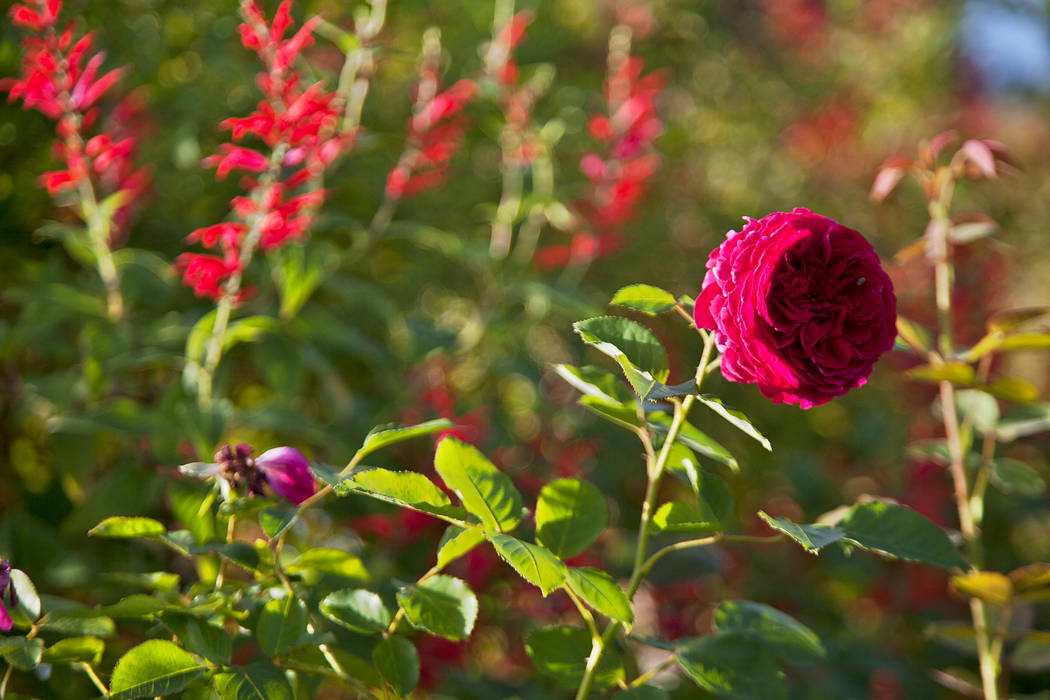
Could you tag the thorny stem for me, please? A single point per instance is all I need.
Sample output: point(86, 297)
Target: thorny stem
point(655, 472)
point(7, 677)
point(231, 289)
point(940, 246)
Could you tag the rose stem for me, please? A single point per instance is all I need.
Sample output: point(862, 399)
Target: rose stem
point(943, 276)
point(655, 472)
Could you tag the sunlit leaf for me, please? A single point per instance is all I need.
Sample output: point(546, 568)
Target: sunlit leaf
point(570, 514)
point(484, 490)
point(645, 298)
point(155, 667)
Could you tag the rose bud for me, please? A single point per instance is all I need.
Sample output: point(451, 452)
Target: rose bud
point(7, 591)
point(288, 473)
point(799, 305)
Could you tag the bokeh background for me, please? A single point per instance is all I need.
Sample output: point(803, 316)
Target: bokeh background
point(766, 105)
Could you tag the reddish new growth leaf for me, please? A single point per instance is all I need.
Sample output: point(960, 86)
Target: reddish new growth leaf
point(619, 173)
point(435, 131)
point(296, 129)
point(61, 78)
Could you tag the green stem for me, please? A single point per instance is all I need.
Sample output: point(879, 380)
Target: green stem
point(940, 244)
point(655, 472)
point(655, 671)
point(231, 289)
point(87, 668)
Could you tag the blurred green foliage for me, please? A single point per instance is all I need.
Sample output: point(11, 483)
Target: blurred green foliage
point(764, 110)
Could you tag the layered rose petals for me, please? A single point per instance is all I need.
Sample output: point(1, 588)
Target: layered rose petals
point(800, 305)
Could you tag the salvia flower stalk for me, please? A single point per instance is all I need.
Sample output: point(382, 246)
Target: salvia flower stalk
point(619, 172)
point(435, 134)
point(61, 77)
point(295, 129)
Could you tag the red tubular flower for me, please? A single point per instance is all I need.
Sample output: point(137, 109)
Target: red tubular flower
point(298, 127)
point(620, 173)
point(61, 81)
point(434, 132)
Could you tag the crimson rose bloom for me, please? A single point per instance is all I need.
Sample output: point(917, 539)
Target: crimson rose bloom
point(799, 305)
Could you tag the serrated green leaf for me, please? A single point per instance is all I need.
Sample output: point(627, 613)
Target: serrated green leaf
point(600, 592)
point(282, 623)
point(735, 418)
point(156, 667)
point(989, 586)
point(457, 541)
point(1032, 653)
point(645, 298)
point(957, 373)
point(392, 433)
point(659, 391)
point(676, 516)
point(1025, 341)
point(1015, 477)
point(78, 622)
point(27, 610)
point(137, 606)
point(536, 564)
point(778, 633)
point(695, 439)
point(595, 382)
point(258, 680)
point(441, 605)
point(560, 652)
point(484, 490)
point(123, 527)
point(570, 514)
point(276, 521)
point(397, 661)
point(74, 650)
point(23, 654)
point(406, 489)
point(1011, 319)
point(623, 339)
point(316, 563)
point(915, 336)
point(1023, 421)
point(812, 537)
point(357, 609)
point(1012, 389)
point(732, 666)
point(624, 415)
point(247, 330)
point(197, 636)
point(979, 408)
point(900, 533)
